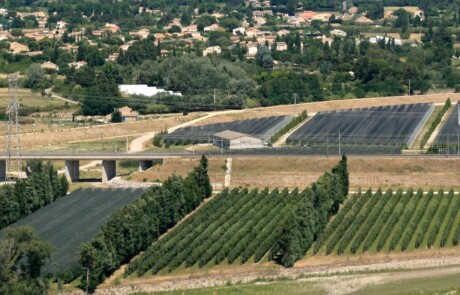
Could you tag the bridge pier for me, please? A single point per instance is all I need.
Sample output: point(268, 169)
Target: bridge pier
point(2, 170)
point(109, 170)
point(145, 164)
point(72, 170)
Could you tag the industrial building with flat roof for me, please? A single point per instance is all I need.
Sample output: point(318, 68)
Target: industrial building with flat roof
point(235, 140)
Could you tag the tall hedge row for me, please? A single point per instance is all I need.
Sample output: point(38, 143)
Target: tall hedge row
point(41, 187)
point(304, 224)
point(134, 227)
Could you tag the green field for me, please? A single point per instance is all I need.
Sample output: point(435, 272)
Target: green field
point(393, 222)
point(32, 100)
point(241, 226)
point(235, 227)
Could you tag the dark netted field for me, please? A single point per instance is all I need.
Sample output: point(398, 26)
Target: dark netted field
point(262, 128)
point(389, 125)
point(74, 219)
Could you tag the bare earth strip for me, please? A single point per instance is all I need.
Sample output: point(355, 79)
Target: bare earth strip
point(282, 140)
point(438, 128)
point(59, 136)
point(314, 107)
point(300, 172)
point(335, 279)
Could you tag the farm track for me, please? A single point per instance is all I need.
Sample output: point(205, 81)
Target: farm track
point(340, 278)
point(449, 126)
point(282, 140)
point(441, 126)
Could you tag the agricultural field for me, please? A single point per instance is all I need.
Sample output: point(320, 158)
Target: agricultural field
point(291, 172)
point(240, 226)
point(450, 130)
point(392, 221)
point(74, 219)
point(237, 226)
point(262, 128)
point(57, 135)
point(30, 100)
point(377, 126)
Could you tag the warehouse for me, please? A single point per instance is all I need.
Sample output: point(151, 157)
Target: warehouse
point(236, 140)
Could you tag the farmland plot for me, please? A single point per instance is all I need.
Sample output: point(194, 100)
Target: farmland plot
point(393, 221)
point(74, 219)
point(241, 226)
point(262, 128)
point(237, 225)
point(379, 126)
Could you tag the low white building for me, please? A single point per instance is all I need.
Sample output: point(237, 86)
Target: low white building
point(339, 33)
point(377, 39)
point(240, 31)
point(143, 89)
point(235, 140)
point(77, 64)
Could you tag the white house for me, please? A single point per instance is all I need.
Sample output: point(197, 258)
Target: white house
point(211, 50)
point(240, 31)
point(77, 64)
point(213, 27)
point(339, 33)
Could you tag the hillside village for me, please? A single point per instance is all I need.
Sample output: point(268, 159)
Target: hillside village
point(248, 35)
point(263, 52)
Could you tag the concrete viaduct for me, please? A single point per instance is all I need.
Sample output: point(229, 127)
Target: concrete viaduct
point(72, 161)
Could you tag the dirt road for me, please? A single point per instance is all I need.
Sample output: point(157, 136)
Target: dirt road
point(334, 279)
point(137, 145)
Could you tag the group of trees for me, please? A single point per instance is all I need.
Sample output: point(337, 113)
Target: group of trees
point(134, 227)
point(307, 222)
point(42, 186)
point(22, 255)
point(342, 68)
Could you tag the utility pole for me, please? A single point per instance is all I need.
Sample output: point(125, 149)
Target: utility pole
point(12, 127)
point(409, 87)
point(339, 144)
point(221, 145)
point(214, 97)
point(87, 280)
point(295, 104)
point(458, 113)
point(448, 146)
